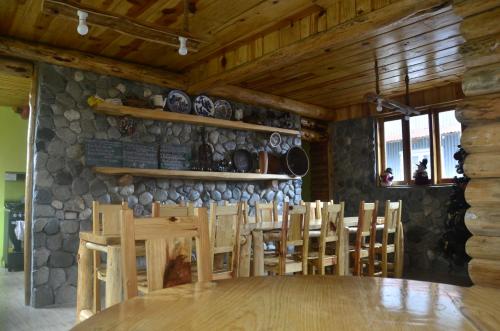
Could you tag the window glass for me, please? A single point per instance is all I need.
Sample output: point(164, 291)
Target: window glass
point(450, 131)
point(420, 142)
point(393, 140)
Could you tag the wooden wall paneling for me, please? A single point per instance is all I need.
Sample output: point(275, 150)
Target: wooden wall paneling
point(319, 157)
point(481, 139)
point(481, 51)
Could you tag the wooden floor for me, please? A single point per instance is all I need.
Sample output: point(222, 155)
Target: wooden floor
point(14, 315)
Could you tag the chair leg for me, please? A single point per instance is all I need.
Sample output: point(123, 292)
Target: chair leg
point(97, 288)
point(84, 287)
point(113, 276)
point(384, 263)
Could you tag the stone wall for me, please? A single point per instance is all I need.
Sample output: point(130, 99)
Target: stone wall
point(64, 187)
point(424, 208)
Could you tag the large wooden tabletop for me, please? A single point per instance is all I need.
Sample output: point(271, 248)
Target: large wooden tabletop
point(306, 303)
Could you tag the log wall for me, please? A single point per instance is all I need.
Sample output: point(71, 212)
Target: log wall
point(480, 111)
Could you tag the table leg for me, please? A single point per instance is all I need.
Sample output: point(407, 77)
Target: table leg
point(245, 252)
point(258, 253)
point(399, 255)
point(113, 276)
point(84, 292)
point(97, 286)
point(345, 245)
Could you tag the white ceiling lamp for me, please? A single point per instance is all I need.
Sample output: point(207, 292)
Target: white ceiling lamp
point(183, 46)
point(82, 28)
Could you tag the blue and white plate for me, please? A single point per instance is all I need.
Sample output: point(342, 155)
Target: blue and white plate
point(204, 106)
point(179, 102)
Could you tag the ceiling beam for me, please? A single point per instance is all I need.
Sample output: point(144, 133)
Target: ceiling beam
point(121, 24)
point(272, 101)
point(86, 61)
point(365, 26)
point(16, 68)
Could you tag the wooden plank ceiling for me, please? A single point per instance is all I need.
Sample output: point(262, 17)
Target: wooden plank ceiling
point(240, 33)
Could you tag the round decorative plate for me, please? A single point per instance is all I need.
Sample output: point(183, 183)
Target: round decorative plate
point(178, 102)
point(223, 110)
point(275, 139)
point(204, 106)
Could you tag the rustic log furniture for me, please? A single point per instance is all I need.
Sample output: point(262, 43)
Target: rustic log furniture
point(156, 232)
point(366, 229)
point(225, 223)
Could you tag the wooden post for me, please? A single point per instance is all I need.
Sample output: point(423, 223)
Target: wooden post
point(258, 253)
point(246, 248)
point(84, 288)
point(113, 276)
point(481, 139)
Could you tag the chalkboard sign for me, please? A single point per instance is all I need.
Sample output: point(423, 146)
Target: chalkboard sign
point(103, 153)
point(175, 157)
point(137, 155)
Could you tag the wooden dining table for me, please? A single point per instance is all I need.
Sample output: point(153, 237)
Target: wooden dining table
point(306, 303)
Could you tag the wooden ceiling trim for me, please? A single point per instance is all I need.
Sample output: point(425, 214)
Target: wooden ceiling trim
point(91, 62)
point(122, 24)
point(401, 13)
point(16, 68)
point(288, 87)
point(465, 8)
point(15, 82)
point(272, 101)
point(350, 83)
point(367, 50)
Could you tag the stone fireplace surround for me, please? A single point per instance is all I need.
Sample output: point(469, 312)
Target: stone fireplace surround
point(64, 187)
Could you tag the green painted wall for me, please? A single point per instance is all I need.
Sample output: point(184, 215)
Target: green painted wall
point(13, 133)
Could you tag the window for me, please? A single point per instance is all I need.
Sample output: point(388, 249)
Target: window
point(403, 144)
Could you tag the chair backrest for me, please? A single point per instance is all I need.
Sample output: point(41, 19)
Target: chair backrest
point(106, 218)
point(392, 218)
point(315, 209)
point(156, 232)
point(332, 224)
point(266, 212)
point(367, 217)
point(244, 209)
point(295, 232)
point(224, 226)
point(168, 210)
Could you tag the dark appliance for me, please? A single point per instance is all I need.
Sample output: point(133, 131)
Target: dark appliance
point(14, 212)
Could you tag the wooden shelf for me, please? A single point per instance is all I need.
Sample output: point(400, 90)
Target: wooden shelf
point(188, 174)
point(160, 115)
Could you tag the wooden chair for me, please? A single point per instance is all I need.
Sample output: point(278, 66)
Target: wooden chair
point(294, 233)
point(315, 214)
point(156, 232)
point(105, 222)
point(392, 221)
point(266, 212)
point(366, 230)
point(244, 209)
point(332, 225)
point(224, 224)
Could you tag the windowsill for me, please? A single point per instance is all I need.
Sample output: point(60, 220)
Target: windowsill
point(416, 186)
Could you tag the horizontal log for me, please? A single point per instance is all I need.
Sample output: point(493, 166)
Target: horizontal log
point(483, 192)
point(482, 165)
point(483, 221)
point(485, 272)
point(313, 136)
point(479, 108)
point(481, 51)
point(12, 67)
point(481, 138)
point(483, 247)
point(481, 25)
point(464, 8)
point(482, 80)
point(312, 124)
point(86, 61)
point(273, 101)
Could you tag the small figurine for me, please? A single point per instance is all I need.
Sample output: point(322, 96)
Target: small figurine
point(420, 175)
point(386, 177)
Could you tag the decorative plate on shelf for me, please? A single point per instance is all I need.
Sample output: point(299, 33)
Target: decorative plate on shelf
point(204, 106)
point(178, 102)
point(223, 110)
